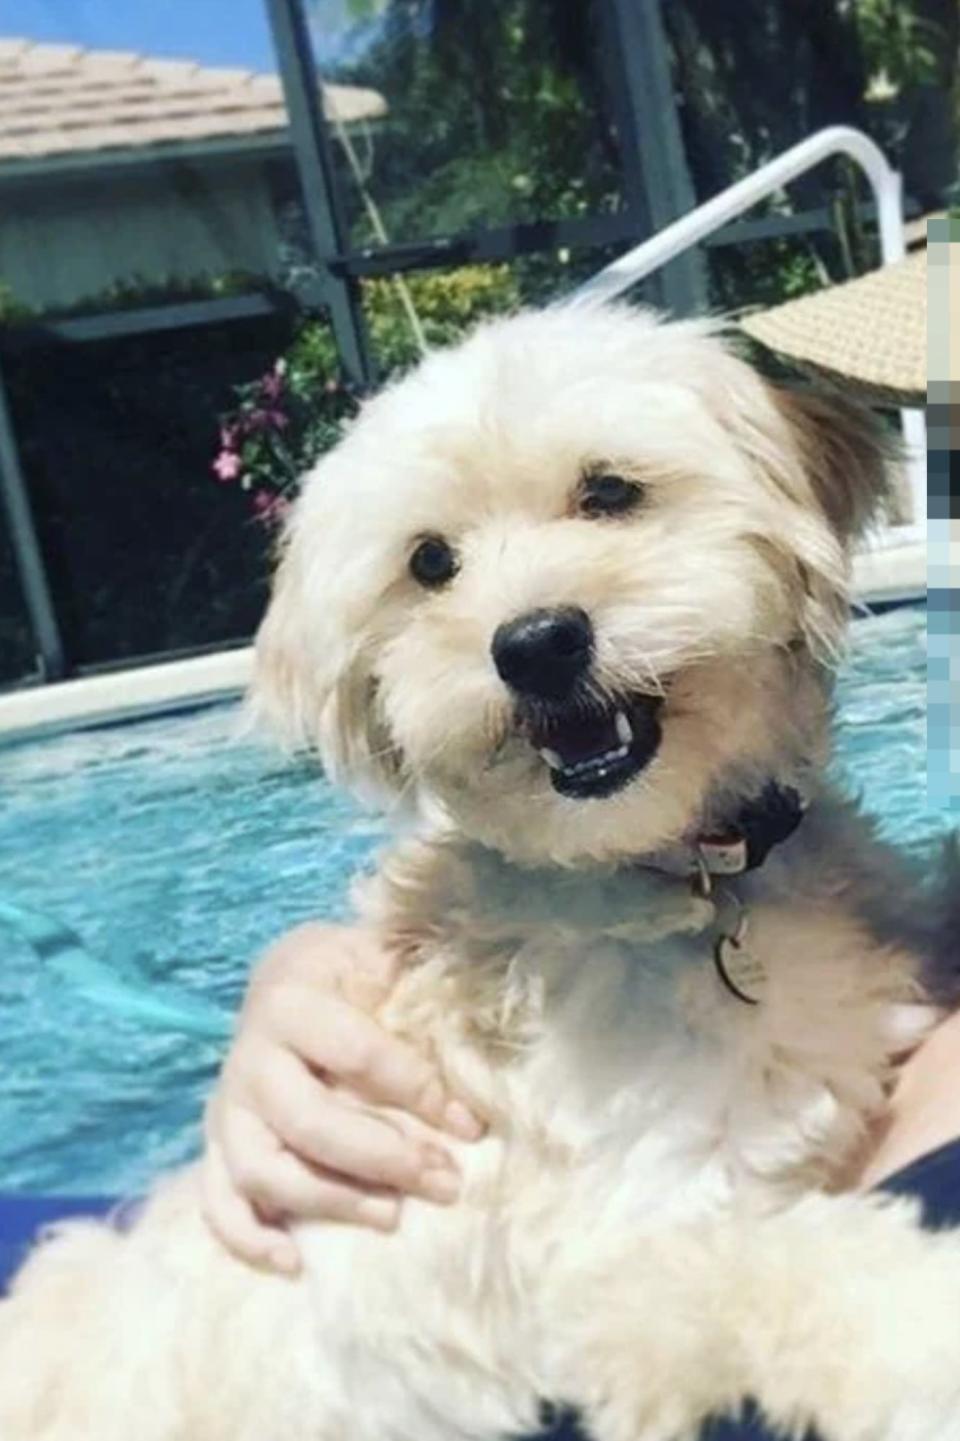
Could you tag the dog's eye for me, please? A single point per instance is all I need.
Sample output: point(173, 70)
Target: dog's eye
point(433, 563)
point(606, 494)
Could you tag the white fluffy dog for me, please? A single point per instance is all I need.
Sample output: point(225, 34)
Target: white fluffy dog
point(574, 589)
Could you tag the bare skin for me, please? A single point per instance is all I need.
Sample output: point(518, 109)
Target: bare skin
point(319, 1113)
point(924, 1109)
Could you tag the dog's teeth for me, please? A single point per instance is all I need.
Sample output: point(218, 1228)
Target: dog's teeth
point(598, 763)
point(592, 765)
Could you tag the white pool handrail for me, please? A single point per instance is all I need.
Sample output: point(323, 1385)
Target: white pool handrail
point(621, 274)
point(707, 218)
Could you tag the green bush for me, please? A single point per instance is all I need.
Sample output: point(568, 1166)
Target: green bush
point(285, 420)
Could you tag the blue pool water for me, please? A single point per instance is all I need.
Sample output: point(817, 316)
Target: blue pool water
point(177, 848)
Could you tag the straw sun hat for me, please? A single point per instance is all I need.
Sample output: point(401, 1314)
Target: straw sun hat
point(867, 335)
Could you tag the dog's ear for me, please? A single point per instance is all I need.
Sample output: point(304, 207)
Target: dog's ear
point(848, 456)
point(312, 684)
point(826, 463)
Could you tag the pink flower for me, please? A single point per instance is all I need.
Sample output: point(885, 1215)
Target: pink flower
point(271, 385)
point(229, 435)
point(267, 420)
point(227, 465)
point(270, 509)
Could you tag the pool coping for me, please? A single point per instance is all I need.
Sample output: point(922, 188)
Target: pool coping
point(119, 695)
point(885, 577)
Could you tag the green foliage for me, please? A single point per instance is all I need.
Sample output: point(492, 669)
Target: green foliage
point(447, 304)
point(494, 114)
point(900, 46)
point(283, 422)
point(765, 274)
point(364, 9)
point(756, 77)
point(137, 292)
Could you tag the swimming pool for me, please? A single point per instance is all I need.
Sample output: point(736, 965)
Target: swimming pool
point(177, 847)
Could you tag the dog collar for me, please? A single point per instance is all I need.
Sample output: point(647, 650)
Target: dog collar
point(762, 822)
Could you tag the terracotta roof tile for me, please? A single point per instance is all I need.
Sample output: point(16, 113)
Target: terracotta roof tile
point(59, 99)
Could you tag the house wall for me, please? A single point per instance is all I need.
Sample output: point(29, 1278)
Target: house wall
point(64, 242)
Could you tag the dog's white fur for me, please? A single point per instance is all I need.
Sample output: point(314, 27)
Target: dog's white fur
point(650, 1230)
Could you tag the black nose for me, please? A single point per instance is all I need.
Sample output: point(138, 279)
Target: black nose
point(545, 652)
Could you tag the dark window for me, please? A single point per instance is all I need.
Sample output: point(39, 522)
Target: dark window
point(17, 658)
point(146, 551)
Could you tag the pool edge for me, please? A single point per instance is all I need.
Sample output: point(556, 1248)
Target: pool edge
point(894, 575)
point(141, 691)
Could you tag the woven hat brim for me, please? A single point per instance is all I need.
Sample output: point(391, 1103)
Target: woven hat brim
point(867, 335)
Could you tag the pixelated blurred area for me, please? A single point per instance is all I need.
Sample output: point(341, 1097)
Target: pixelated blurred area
point(943, 574)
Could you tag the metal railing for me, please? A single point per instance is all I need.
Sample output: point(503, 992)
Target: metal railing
point(637, 264)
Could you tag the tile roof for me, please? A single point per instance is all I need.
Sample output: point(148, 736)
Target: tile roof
point(59, 100)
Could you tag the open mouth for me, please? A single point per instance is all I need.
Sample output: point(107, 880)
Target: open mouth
point(594, 752)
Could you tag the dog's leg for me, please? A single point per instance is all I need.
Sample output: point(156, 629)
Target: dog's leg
point(840, 1314)
point(156, 1335)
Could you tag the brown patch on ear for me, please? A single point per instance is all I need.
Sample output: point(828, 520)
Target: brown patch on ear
point(848, 455)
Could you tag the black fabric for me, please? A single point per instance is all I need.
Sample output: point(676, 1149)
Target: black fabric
point(748, 1427)
point(934, 1180)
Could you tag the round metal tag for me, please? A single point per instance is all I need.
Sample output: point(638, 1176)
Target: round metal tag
point(740, 971)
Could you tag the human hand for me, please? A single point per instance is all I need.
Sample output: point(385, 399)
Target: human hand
point(298, 1125)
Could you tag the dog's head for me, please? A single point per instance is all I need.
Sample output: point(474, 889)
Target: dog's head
point(573, 580)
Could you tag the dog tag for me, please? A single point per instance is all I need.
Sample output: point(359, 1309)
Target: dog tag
point(743, 974)
point(724, 855)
